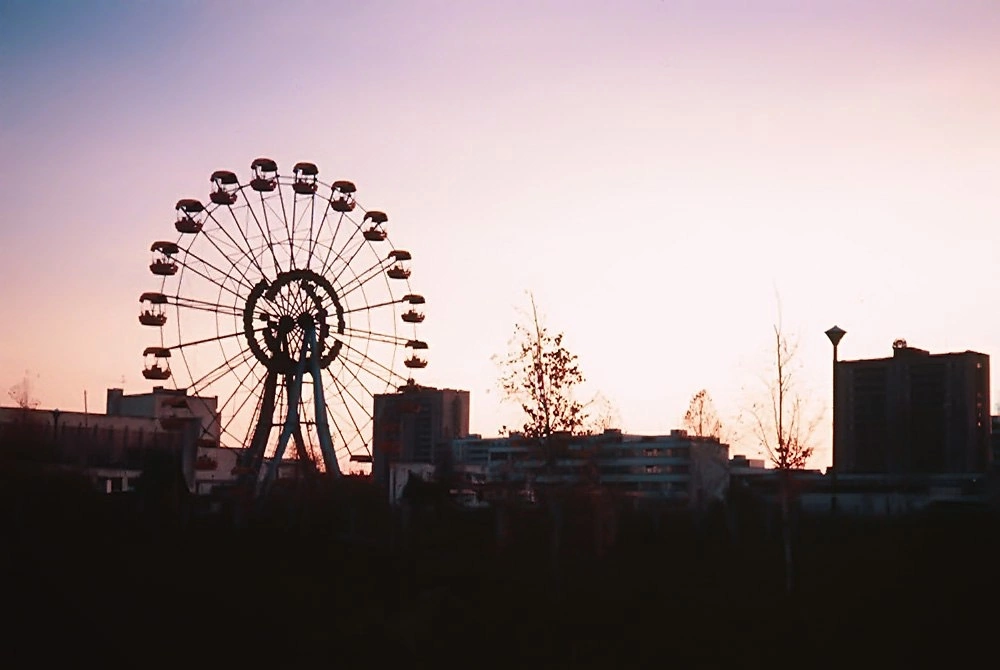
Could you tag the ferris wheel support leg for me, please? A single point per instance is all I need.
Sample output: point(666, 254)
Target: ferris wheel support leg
point(254, 457)
point(290, 427)
point(322, 424)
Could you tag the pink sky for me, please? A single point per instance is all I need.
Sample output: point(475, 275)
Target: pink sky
point(653, 171)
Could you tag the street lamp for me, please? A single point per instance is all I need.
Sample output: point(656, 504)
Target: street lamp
point(835, 334)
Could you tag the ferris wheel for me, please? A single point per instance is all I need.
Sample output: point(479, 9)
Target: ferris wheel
point(284, 300)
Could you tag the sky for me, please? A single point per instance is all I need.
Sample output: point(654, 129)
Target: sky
point(667, 178)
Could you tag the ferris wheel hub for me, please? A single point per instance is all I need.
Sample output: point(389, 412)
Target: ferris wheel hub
point(286, 324)
point(306, 321)
point(295, 299)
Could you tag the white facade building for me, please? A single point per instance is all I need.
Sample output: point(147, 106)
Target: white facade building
point(675, 467)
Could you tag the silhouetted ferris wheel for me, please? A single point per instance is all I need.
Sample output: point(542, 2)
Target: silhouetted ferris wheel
point(283, 298)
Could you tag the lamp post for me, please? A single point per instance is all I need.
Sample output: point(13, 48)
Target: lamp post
point(835, 334)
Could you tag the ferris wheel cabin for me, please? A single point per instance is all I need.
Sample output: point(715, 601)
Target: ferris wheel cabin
point(187, 209)
point(163, 263)
point(415, 361)
point(399, 270)
point(265, 175)
point(412, 316)
point(375, 220)
point(305, 178)
point(342, 199)
point(151, 313)
point(225, 186)
point(156, 366)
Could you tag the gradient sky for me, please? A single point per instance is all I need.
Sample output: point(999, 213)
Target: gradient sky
point(656, 172)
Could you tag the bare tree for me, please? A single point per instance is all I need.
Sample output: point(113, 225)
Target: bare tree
point(784, 430)
point(541, 374)
point(781, 424)
point(21, 393)
point(602, 415)
point(701, 418)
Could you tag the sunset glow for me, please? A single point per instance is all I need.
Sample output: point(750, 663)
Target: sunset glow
point(661, 175)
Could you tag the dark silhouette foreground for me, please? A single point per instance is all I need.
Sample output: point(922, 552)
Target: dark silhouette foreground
point(108, 578)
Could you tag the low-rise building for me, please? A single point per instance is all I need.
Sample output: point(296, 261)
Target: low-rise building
point(112, 447)
point(678, 467)
point(866, 495)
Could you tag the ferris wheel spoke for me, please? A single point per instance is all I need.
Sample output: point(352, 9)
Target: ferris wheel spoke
point(239, 248)
point(208, 380)
point(267, 226)
point(355, 446)
point(204, 305)
point(341, 390)
point(244, 440)
point(248, 252)
point(217, 419)
point(364, 277)
point(291, 237)
point(373, 363)
point(384, 338)
point(228, 275)
point(336, 277)
point(239, 333)
point(215, 281)
point(354, 374)
point(265, 237)
point(300, 302)
point(349, 451)
point(375, 306)
point(284, 219)
point(315, 234)
point(233, 264)
point(226, 366)
point(280, 220)
point(195, 303)
point(333, 242)
point(258, 429)
point(303, 246)
point(336, 425)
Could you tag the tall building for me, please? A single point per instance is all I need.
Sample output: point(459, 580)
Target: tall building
point(417, 425)
point(913, 413)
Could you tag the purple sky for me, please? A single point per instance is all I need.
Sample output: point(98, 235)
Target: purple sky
point(654, 171)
